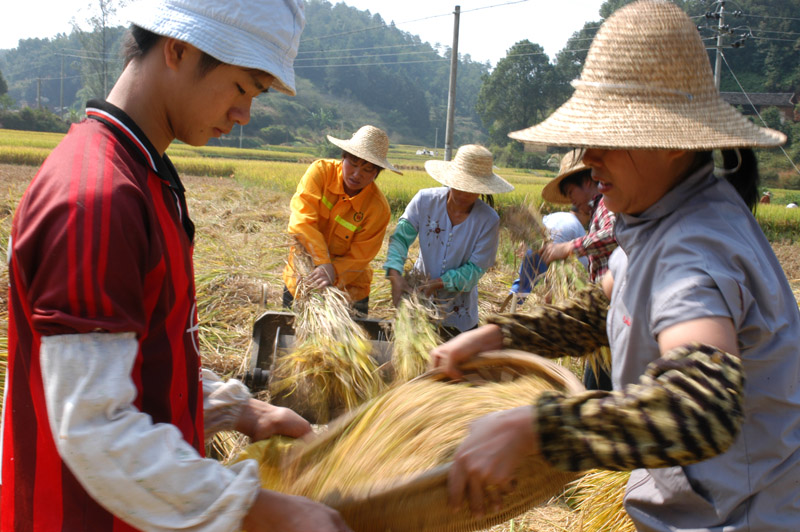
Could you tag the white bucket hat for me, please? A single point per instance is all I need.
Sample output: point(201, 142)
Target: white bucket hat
point(369, 143)
point(469, 171)
point(647, 84)
point(263, 35)
point(571, 164)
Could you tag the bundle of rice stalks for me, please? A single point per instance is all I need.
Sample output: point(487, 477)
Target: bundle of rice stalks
point(524, 224)
point(597, 497)
point(563, 278)
point(385, 466)
point(330, 370)
point(414, 333)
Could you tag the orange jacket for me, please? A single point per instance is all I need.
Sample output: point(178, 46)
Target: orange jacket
point(336, 228)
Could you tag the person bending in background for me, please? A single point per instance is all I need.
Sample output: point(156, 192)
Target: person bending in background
point(562, 227)
point(106, 409)
point(458, 235)
point(574, 185)
point(699, 316)
point(339, 215)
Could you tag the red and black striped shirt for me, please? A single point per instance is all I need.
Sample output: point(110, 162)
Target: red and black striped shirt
point(101, 241)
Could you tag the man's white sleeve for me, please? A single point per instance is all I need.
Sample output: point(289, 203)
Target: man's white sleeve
point(144, 473)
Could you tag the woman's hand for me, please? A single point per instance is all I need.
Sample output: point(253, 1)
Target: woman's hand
point(322, 276)
point(399, 286)
point(463, 347)
point(486, 462)
point(432, 286)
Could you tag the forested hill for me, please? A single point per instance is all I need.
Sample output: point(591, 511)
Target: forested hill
point(355, 68)
point(352, 68)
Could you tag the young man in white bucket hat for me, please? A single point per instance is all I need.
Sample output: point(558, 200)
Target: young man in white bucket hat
point(702, 323)
point(458, 235)
point(339, 216)
point(106, 413)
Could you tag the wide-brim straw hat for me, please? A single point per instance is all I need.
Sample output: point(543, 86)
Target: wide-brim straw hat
point(571, 164)
point(471, 170)
point(262, 35)
point(369, 143)
point(647, 84)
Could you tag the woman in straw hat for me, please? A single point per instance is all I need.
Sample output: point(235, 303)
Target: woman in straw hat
point(458, 234)
point(702, 324)
point(340, 216)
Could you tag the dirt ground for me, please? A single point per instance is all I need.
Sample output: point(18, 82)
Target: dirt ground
point(239, 258)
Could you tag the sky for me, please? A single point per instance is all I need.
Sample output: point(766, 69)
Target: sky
point(488, 28)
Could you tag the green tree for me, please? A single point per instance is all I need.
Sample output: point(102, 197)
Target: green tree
point(518, 93)
point(5, 100)
point(100, 64)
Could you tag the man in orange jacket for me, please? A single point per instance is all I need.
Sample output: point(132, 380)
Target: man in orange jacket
point(340, 216)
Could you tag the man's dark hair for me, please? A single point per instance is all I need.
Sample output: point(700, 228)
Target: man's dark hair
point(577, 179)
point(138, 41)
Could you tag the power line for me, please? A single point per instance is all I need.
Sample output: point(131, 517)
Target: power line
point(755, 110)
point(441, 59)
point(412, 45)
point(767, 16)
point(364, 55)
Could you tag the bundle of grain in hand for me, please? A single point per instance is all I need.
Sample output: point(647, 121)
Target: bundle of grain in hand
point(330, 370)
point(414, 335)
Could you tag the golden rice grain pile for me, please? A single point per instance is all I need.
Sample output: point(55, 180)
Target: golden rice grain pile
point(406, 431)
point(402, 442)
point(597, 498)
point(330, 370)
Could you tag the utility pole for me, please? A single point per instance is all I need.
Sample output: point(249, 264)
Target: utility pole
point(436, 139)
point(721, 27)
point(721, 30)
point(240, 135)
point(451, 94)
point(39, 93)
point(61, 90)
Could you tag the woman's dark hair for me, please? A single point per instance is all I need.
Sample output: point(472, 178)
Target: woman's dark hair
point(740, 169)
point(488, 199)
point(351, 156)
point(577, 179)
point(138, 41)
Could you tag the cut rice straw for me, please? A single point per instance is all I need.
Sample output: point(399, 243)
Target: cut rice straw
point(597, 497)
point(331, 369)
point(414, 335)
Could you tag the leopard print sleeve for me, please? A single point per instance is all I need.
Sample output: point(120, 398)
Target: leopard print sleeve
point(575, 328)
point(687, 407)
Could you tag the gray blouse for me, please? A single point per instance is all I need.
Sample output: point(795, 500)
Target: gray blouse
point(698, 252)
point(444, 246)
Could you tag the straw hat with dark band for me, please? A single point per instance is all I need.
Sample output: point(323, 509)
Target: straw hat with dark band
point(470, 171)
point(647, 84)
point(571, 164)
point(368, 143)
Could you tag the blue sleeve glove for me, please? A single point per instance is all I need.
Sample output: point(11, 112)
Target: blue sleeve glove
point(462, 279)
point(397, 252)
